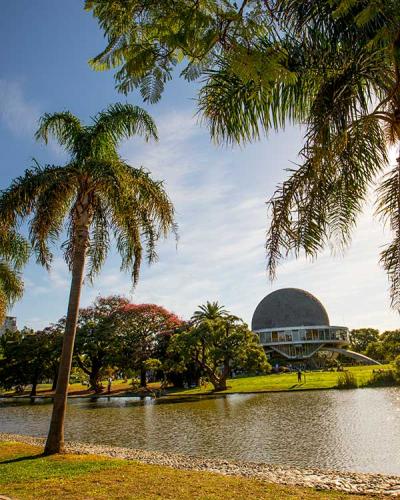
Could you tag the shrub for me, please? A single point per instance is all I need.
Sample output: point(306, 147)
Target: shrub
point(396, 368)
point(347, 380)
point(382, 378)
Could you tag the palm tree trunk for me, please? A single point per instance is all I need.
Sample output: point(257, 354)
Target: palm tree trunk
point(55, 438)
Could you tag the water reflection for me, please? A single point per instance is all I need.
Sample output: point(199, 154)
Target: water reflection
point(354, 430)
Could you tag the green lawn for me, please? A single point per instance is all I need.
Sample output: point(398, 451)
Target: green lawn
point(261, 383)
point(25, 474)
point(286, 381)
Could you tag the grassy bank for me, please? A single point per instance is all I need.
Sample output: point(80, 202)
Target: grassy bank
point(263, 383)
point(288, 381)
point(25, 474)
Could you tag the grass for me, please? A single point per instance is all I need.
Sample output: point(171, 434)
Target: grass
point(288, 382)
point(263, 383)
point(25, 474)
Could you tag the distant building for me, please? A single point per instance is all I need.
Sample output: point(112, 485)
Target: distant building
point(10, 323)
point(294, 325)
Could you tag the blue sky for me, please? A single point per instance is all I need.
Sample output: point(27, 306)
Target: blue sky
point(219, 192)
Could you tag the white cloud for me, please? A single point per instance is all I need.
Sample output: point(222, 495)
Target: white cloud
point(17, 113)
point(219, 195)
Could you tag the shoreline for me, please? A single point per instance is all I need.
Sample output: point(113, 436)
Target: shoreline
point(177, 397)
point(321, 479)
point(129, 394)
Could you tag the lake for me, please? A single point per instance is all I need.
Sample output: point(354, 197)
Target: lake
point(353, 430)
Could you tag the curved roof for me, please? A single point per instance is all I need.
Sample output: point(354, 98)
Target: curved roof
point(289, 307)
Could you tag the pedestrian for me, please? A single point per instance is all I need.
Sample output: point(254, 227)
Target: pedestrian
point(109, 385)
point(299, 375)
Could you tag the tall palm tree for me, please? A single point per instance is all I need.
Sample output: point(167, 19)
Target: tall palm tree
point(14, 252)
point(210, 310)
point(339, 75)
point(96, 196)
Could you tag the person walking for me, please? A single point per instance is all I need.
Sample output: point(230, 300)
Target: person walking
point(299, 375)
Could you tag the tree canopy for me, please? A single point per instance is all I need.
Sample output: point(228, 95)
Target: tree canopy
point(147, 328)
point(332, 66)
point(361, 337)
point(98, 340)
point(217, 346)
point(14, 252)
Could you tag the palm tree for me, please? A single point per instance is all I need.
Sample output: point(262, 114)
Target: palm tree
point(210, 310)
point(14, 252)
point(96, 196)
point(339, 75)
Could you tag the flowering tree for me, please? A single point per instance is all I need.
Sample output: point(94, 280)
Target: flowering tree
point(146, 329)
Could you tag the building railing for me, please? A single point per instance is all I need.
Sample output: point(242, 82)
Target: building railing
point(304, 334)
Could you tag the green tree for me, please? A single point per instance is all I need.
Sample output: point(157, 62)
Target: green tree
point(361, 337)
point(95, 196)
point(148, 40)
point(27, 358)
point(14, 252)
point(331, 65)
point(391, 344)
point(98, 339)
point(376, 350)
point(218, 346)
point(210, 310)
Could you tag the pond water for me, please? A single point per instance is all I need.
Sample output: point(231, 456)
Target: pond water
point(355, 429)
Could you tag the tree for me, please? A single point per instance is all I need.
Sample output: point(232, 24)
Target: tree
point(14, 252)
point(98, 339)
point(94, 196)
point(148, 40)
point(146, 328)
point(27, 358)
point(332, 65)
point(211, 310)
point(391, 344)
point(376, 350)
point(341, 79)
point(218, 346)
point(361, 337)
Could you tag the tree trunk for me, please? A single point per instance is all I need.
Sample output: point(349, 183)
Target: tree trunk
point(55, 438)
point(94, 379)
point(33, 389)
point(143, 380)
point(54, 384)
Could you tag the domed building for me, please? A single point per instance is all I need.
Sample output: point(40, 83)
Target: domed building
point(293, 324)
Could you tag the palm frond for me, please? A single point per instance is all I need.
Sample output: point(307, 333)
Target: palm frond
point(11, 287)
point(388, 208)
point(319, 204)
point(121, 121)
point(64, 127)
point(14, 248)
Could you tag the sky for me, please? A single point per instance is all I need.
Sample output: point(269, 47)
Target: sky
point(219, 192)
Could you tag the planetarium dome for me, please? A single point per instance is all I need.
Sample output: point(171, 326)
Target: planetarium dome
point(293, 324)
point(289, 307)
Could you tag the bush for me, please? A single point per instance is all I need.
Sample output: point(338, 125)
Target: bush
point(396, 368)
point(347, 380)
point(382, 378)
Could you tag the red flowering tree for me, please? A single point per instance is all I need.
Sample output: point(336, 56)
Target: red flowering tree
point(146, 330)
